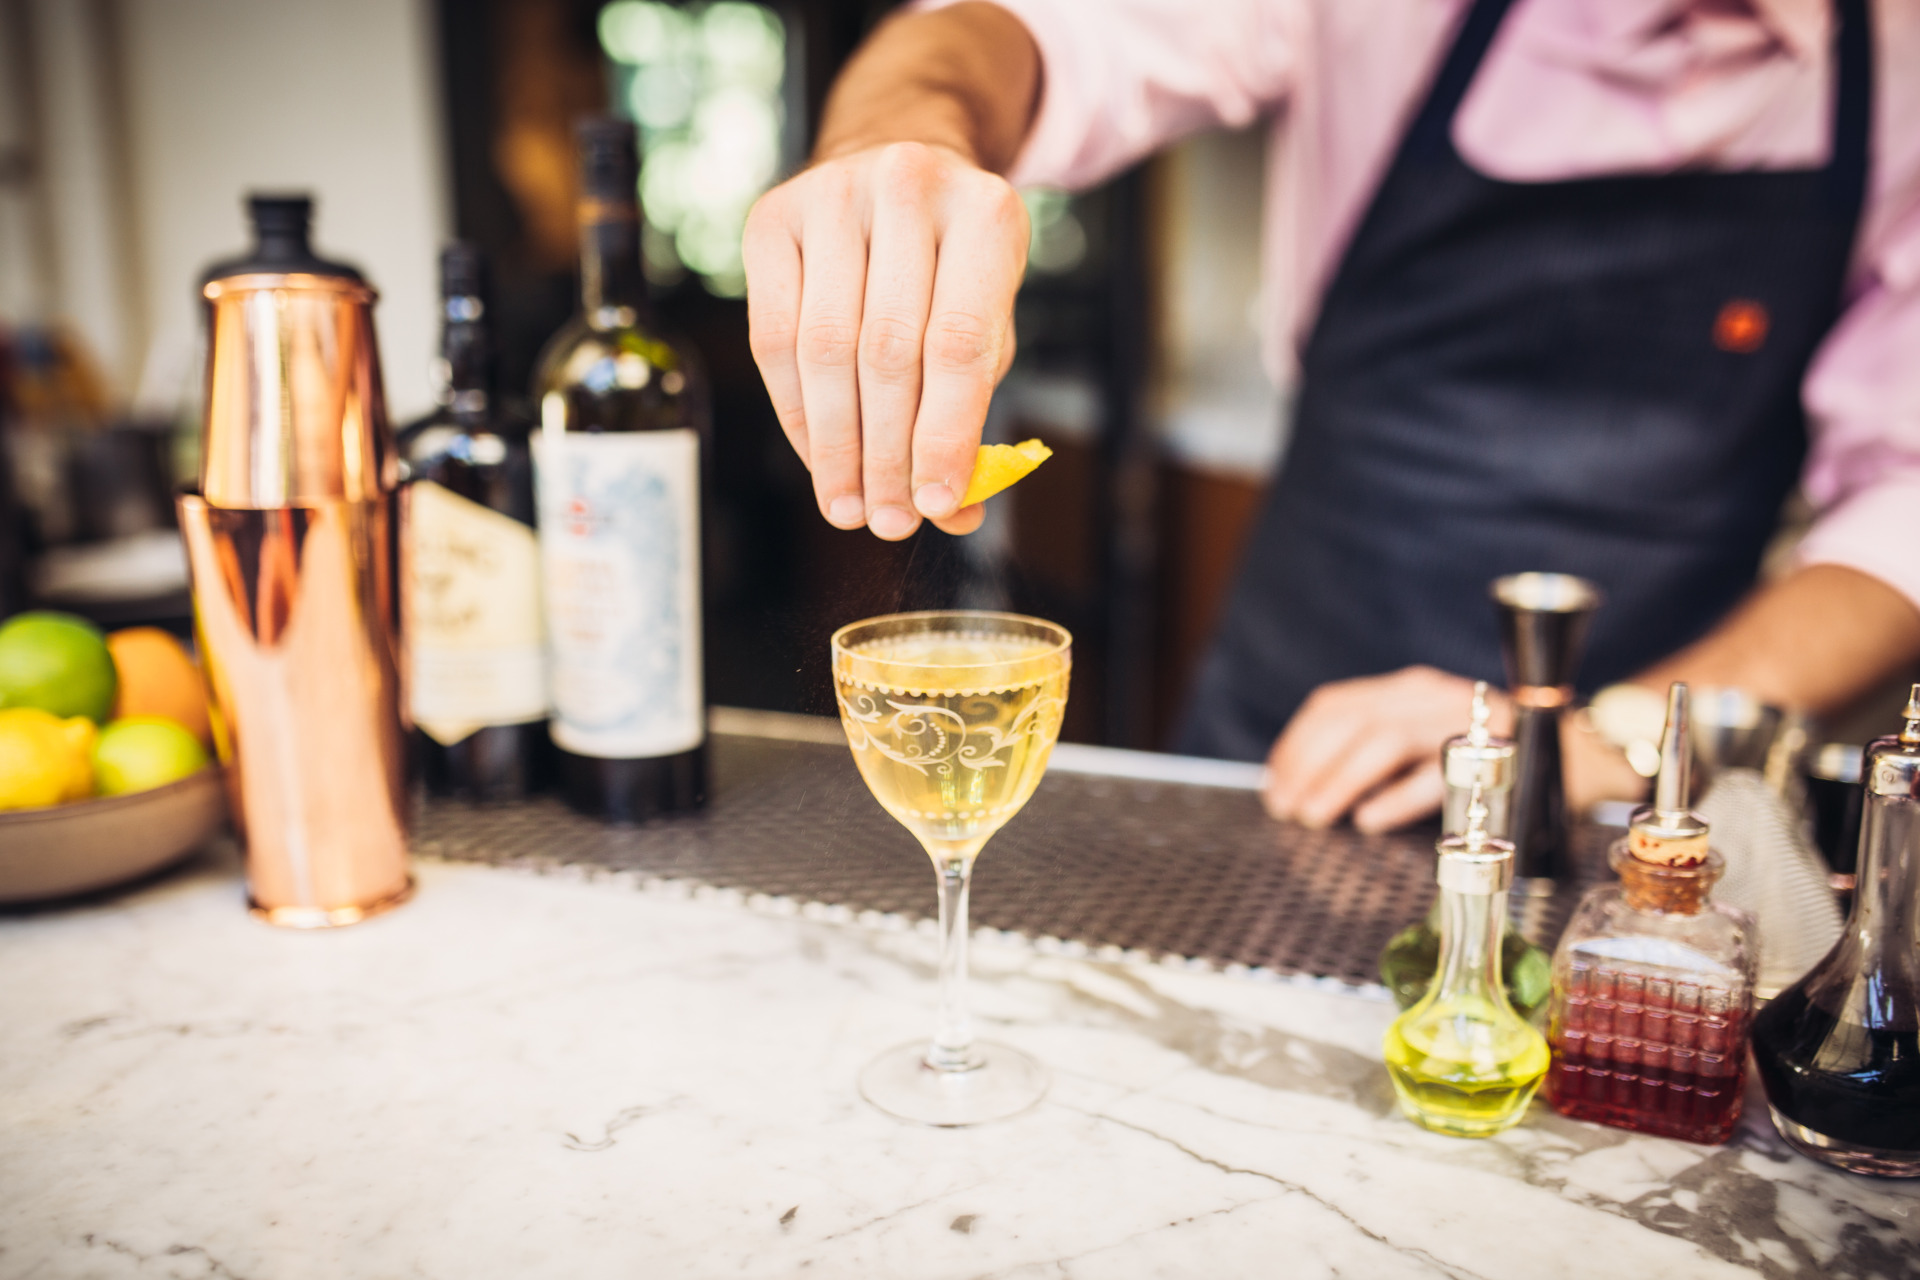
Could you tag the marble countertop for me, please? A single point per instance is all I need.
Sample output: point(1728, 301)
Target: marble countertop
point(521, 1075)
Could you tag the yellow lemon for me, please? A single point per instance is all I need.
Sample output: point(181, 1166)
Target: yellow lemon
point(43, 759)
point(997, 466)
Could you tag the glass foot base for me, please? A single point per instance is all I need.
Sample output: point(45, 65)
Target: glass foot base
point(1854, 1157)
point(1006, 1082)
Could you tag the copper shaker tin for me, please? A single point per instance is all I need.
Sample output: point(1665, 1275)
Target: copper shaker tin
point(291, 543)
point(294, 408)
point(298, 627)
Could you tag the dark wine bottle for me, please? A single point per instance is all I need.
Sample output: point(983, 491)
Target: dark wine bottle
point(476, 666)
point(619, 464)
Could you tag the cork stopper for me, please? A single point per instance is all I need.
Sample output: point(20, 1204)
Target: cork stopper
point(1664, 863)
point(1474, 861)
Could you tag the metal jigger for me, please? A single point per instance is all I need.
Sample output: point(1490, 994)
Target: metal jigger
point(1543, 631)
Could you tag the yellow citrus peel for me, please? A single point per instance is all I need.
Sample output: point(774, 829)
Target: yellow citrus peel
point(998, 466)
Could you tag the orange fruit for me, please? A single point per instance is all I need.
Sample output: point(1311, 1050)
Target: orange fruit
point(996, 466)
point(157, 678)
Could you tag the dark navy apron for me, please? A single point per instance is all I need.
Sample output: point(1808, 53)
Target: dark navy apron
point(1599, 377)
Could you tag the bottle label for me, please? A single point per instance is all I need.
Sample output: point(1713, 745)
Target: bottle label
point(472, 616)
point(620, 551)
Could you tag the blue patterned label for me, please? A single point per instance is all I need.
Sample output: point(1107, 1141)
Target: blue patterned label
point(620, 564)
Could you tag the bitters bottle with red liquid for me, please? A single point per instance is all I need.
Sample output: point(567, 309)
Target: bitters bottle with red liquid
point(1653, 981)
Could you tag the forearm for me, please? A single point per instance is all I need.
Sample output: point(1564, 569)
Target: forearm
point(965, 77)
point(1811, 641)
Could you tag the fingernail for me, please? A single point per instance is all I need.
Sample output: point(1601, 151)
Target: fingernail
point(892, 522)
point(935, 500)
point(847, 511)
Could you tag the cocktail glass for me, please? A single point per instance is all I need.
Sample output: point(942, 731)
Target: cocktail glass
point(952, 716)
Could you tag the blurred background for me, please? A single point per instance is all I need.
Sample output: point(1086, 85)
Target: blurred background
point(130, 130)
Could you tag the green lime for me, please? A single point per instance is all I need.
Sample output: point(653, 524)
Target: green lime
point(143, 752)
point(58, 663)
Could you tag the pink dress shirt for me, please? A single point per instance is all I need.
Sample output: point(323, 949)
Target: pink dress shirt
point(1569, 89)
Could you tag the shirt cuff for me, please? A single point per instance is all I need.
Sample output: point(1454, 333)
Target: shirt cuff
point(1873, 531)
point(1062, 122)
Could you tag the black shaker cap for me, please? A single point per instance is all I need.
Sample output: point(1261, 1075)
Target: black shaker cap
point(609, 159)
point(282, 222)
point(463, 271)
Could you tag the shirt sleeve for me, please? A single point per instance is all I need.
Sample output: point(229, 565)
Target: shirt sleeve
point(1863, 403)
point(1124, 77)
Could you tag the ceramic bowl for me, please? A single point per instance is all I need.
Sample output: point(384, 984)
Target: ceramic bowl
point(93, 844)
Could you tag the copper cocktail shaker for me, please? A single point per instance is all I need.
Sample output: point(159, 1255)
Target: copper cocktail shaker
point(291, 541)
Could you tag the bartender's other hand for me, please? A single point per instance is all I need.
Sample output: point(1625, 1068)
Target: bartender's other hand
point(880, 288)
point(1371, 748)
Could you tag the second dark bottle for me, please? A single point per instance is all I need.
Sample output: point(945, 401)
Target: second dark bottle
point(476, 677)
point(619, 465)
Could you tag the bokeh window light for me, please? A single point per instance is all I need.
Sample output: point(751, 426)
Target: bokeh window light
point(1058, 242)
point(704, 83)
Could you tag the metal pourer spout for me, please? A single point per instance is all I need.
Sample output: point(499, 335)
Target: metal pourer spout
point(1475, 861)
point(1910, 735)
point(1668, 833)
point(1475, 836)
point(1676, 760)
point(1479, 735)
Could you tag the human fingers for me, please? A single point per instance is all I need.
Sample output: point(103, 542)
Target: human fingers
point(1375, 759)
point(1393, 720)
point(1408, 798)
point(1328, 725)
point(900, 275)
point(772, 259)
point(969, 339)
point(963, 521)
point(833, 264)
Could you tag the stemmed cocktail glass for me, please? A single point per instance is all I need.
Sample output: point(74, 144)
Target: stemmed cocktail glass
point(952, 716)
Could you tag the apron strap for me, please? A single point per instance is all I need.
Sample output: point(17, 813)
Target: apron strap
point(1430, 135)
point(1846, 185)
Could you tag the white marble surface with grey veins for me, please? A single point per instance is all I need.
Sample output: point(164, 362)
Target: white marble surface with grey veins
point(528, 1076)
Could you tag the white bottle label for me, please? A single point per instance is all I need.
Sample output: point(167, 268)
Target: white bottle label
point(473, 623)
point(620, 551)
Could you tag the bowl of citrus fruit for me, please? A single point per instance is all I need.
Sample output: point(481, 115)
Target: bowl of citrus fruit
point(105, 769)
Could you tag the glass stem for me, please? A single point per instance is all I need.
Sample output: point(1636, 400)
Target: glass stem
point(952, 1048)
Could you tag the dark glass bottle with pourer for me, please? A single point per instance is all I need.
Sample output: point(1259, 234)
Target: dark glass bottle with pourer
point(1839, 1051)
point(476, 663)
point(1476, 758)
point(619, 461)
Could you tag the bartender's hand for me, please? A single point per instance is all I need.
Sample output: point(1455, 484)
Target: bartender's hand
point(880, 282)
point(1371, 748)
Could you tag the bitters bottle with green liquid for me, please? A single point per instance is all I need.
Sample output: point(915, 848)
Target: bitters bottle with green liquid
point(1462, 1061)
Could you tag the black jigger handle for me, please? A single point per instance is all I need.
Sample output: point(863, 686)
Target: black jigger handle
point(1539, 822)
point(1544, 618)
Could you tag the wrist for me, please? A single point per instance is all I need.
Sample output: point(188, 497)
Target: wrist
point(846, 142)
point(966, 78)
